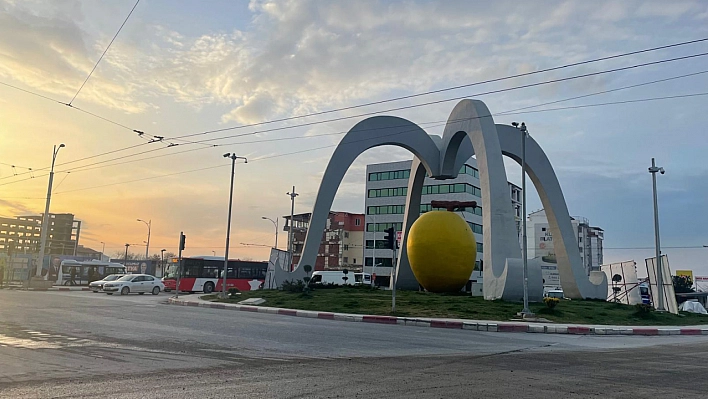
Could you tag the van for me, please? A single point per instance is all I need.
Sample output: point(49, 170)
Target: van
point(337, 277)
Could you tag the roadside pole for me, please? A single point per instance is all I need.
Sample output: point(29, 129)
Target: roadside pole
point(394, 269)
point(179, 262)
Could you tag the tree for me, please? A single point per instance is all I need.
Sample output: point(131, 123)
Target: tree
point(121, 255)
point(682, 284)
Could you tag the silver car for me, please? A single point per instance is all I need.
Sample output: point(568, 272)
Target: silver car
point(139, 283)
point(97, 286)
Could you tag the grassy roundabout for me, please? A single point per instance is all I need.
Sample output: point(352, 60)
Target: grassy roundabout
point(363, 300)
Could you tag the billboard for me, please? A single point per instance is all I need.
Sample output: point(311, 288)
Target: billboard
point(138, 266)
point(668, 285)
point(622, 282)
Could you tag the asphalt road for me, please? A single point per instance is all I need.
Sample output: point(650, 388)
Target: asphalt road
point(80, 344)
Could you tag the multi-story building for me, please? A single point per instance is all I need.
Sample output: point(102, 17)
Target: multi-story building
point(341, 245)
point(386, 190)
point(540, 240)
point(22, 234)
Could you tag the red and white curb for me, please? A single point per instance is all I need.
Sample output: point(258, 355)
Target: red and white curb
point(52, 289)
point(489, 326)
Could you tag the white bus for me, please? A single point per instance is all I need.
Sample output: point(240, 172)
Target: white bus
point(74, 272)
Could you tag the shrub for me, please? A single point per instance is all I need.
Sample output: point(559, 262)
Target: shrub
point(643, 309)
point(293, 285)
point(551, 302)
point(233, 292)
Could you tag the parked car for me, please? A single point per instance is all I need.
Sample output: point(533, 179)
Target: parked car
point(97, 285)
point(140, 283)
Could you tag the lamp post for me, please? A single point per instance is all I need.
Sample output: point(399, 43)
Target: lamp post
point(228, 225)
point(526, 312)
point(147, 244)
point(45, 217)
point(275, 223)
point(103, 249)
point(125, 259)
point(659, 272)
point(162, 259)
point(291, 233)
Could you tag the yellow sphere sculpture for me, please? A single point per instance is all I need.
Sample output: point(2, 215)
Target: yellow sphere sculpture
point(442, 251)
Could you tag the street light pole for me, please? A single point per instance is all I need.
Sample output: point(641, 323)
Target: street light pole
point(275, 223)
point(125, 259)
point(228, 225)
point(45, 217)
point(526, 312)
point(659, 272)
point(291, 233)
point(162, 259)
point(103, 250)
point(147, 246)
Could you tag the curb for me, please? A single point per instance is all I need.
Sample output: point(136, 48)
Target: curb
point(488, 326)
point(51, 289)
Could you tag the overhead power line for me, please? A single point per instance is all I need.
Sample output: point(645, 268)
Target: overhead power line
point(104, 53)
point(367, 139)
point(140, 133)
point(204, 142)
point(452, 88)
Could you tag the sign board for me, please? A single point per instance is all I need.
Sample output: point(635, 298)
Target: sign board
point(687, 273)
point(669, 294)
point(622, 282)
point(398, 237)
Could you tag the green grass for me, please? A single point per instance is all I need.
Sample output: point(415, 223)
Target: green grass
point(363, 300)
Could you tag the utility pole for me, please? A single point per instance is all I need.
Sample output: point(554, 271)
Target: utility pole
point(125, 259)
point(526, 312)
point(162, 259)
point(228, 225)
point(147, 246)
point(275, 223)
point(45, 217)
point(659, 271)
point(182, 242)
point(291, 234)
point(103, 250)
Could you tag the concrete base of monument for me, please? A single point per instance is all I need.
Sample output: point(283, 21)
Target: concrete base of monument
point(38, 282)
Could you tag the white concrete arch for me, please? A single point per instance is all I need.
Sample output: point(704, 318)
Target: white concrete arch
point(369, 133)
point(574, 280)
point(470, 130)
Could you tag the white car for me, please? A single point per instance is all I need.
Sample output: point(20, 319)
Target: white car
point(140, 283)
point(96, 286)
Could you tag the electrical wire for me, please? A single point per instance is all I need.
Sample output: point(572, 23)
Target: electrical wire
point(457, 87)
point(391, 134)
point(104, 53)
point(160, 138)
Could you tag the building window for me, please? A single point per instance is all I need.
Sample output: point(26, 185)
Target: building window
point(391, 175)
point(346, 234)
point(480, 247)
point(354, 261)
point(357, 222)
point(383, 226)
point(346, 247)
point(476, 228)
point(346, 260)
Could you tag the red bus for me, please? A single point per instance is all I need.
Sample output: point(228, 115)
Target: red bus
point(205, 274)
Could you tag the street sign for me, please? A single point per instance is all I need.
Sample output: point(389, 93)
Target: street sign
point(398, 237)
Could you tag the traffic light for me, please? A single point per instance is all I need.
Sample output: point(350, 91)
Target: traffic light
point(182, 240)
point(389, 238)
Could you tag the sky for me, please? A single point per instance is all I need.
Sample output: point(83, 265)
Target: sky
point(181, 67)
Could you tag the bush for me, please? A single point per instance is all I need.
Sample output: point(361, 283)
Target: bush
point(643, 309)
point(551, 302)
point(293, 286)
point(233, 292)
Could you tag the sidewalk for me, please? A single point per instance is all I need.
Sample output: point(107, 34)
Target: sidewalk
point(459, 324)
